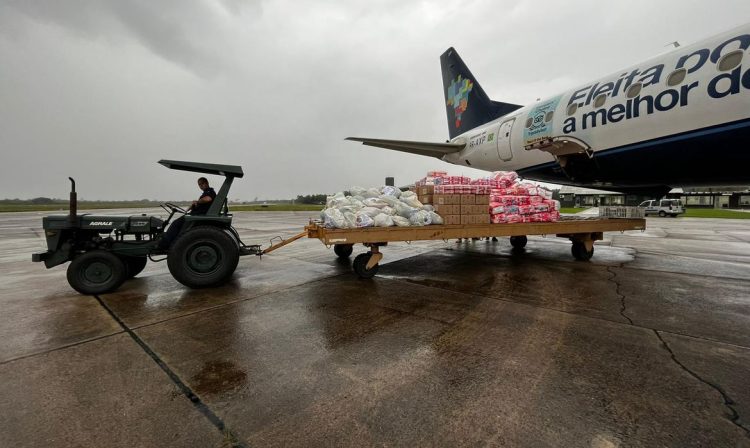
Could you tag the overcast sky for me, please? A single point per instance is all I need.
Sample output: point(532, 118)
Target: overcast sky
point(101, 90)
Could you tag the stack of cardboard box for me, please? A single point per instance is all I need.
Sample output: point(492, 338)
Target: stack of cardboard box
point(425, 193)
point(456, 208)
point(462, 208)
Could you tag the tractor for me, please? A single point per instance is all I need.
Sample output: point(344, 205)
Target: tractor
point(104, 251)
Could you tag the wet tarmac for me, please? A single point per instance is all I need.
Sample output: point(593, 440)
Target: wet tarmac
point(450, 345)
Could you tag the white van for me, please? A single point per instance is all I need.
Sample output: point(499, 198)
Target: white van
point(663, 207)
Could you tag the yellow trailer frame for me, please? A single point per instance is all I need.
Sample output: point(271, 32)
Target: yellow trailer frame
point(582, 232)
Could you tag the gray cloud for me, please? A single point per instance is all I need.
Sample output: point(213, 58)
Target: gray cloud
point(103, 89)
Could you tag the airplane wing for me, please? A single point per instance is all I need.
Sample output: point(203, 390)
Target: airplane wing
point(437, 150)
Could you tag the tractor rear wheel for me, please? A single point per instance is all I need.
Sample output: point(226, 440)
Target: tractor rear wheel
point(134, 265)
point(203, 257)
point(96, 272)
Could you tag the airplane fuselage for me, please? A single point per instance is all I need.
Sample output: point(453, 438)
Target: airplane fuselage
point(679, 119)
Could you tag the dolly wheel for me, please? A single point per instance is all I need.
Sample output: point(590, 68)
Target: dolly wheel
point(96, 272)
point(360, 266)
point(343, 250)
point(518, 242)
point(134, 265)
point(579, 251)
point(203, 256)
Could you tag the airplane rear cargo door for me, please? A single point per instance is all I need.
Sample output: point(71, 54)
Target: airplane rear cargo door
point(503, 140)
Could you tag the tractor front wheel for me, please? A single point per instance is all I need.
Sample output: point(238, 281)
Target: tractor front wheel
point(96, 272)
point(203, 257)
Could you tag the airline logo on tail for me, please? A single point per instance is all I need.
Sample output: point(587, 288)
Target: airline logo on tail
point(458, 97)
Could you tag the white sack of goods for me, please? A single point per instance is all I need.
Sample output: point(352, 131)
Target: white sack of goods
point(377, 207)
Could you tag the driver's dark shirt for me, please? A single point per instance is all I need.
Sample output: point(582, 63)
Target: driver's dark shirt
point(202, 208)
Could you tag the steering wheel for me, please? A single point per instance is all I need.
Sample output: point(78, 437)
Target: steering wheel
point(172, 208)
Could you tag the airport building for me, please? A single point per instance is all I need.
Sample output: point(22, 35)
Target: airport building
point(699, 197)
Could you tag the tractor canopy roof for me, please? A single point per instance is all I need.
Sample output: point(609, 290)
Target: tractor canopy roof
point(206, 168)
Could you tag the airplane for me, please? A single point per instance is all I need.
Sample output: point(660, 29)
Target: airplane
point(680, 119)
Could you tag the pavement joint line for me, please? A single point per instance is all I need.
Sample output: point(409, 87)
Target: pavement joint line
point(194, 399)
point(62, 347)
point(728, 402)
point(613, 279)
point(556, 310)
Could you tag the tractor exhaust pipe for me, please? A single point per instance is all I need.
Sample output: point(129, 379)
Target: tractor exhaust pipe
point(73, 202)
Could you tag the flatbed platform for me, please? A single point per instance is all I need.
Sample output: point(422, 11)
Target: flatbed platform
point(564, 228)
point(582, 232)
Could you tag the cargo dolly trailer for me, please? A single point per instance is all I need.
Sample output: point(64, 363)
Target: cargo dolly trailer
point(582, 233)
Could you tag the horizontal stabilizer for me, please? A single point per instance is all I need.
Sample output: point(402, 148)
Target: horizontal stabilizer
point(437, 150)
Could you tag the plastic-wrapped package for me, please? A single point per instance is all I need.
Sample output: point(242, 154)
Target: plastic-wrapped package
point(503, 178)
point(333, 218)
point(356, 202)
point(364, 220)
point(371, 193)
point(371, 211)
point(374, 202)
point(410, 198)
point(497, 218)
point(337, 200)
point(390, 200)
point(383, 220)
point(540, 208)
point(420, 218)
point(428, 208)
point(401, 221)
point(404, 210)
point(350, 220)
point(390, 191)
point(510, 200)
point(348, 209)
point(357, 191)
point(436, 219)
point(388, 210)
point(536, 199)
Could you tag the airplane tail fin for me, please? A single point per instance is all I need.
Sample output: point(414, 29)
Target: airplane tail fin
point(466, 104)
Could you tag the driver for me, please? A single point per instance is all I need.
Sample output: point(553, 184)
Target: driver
point(199, 207)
